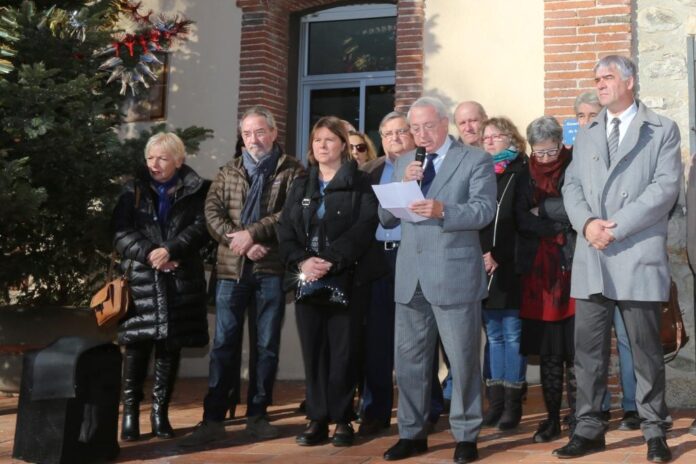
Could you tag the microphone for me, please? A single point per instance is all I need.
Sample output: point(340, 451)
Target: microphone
point(420, 156)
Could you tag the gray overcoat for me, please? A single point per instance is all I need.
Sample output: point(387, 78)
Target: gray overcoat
point(636, 191)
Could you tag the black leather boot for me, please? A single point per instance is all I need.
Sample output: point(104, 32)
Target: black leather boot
point(135, 364)
point(513, 405)
point(166, 367)
point(495, 391)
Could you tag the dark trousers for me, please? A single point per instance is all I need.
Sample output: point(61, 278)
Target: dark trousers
point(232, 299)
point(328, 337)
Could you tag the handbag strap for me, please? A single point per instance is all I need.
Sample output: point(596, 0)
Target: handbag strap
point(678, 323)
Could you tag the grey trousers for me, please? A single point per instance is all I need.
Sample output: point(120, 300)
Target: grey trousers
point(593, 319)
point(416, 328)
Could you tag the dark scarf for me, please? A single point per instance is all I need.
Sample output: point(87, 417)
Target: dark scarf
point(546, 176)
point(258, 175)
point(164, 200)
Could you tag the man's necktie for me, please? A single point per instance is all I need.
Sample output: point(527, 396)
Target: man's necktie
point(428, 173)
point(613, 140)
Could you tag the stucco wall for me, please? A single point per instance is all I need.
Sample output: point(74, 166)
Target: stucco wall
point(492, 54)
point(204, 77)
point(663, 86)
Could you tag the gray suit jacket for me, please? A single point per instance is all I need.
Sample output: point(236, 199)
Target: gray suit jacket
point(445, 255)
point(637, 192)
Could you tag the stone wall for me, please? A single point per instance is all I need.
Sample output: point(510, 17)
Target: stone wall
point(660, 37)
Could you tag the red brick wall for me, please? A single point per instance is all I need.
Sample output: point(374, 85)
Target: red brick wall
point(263, 67)
point(577, 33)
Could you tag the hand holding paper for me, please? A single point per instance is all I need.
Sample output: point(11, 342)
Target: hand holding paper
point(396, 198)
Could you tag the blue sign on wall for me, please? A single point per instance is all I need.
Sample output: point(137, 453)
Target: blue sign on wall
point(570, 130)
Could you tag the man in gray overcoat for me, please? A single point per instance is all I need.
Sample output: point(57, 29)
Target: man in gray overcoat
point(619, 189)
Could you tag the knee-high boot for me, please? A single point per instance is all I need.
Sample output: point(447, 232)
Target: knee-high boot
point(166, 367)
point(135, 364)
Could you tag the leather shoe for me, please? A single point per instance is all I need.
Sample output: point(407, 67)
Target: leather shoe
point(579, 446)
point(372, 427)
point(658, 451)
point(630, 421)
point(605, 415)
point(315, 433)
point(343, 435)
point(406, 448)
point(465, 452)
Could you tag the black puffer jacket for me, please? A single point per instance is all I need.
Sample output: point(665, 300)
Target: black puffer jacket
point(167, 306)
point(349, 222)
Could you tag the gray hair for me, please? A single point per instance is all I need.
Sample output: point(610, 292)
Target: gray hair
point(170, 142)
point(258, 110)
point(624, 65)
point(432, 102)
point(391, 116)
point(586, 98)
point(544, 128)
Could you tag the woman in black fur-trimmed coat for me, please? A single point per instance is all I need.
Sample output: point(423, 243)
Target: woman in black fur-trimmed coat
point(159, 231)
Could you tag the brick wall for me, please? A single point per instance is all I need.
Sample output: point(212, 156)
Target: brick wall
point(263, 66)
point(577, 33)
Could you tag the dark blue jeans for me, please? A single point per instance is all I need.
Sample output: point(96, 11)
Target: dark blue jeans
point(232, 299)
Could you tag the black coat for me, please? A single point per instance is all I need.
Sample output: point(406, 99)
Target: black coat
point(350, 221)
point(499, 237)
point(167, 306)
point(551, 220)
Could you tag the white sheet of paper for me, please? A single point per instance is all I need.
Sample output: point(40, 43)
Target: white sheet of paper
point(396, 196)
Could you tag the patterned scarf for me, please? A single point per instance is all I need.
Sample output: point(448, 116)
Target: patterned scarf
point(502, 159)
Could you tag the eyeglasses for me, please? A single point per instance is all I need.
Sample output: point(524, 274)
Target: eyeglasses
point(360, 147)
point(550, 153)
point(427, 127)
point(495, 138)
point(390, 134)
point(259, 134)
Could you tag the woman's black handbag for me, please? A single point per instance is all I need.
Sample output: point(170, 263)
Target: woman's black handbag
point(332, 289)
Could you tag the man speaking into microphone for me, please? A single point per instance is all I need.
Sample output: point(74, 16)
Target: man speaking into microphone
point(440, 280)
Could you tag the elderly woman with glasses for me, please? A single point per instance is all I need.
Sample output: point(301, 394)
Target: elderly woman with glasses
point(544, 253)
point(361, 148)
point(507, 383)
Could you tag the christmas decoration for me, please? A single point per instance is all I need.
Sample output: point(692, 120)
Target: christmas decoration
point(132, 59)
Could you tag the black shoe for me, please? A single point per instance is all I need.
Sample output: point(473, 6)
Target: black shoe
point(159, 421)
point(130, 427)
point(406, 448)
point(315, 433)
point(548, 430)
point(465, 452)
point(343, 435)
point(630, 421)
point(692, 429)
point(370, 427)
point(658, 451)
point(605, 415)
point(580, 446)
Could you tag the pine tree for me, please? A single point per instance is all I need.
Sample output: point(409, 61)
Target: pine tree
point(61, 159)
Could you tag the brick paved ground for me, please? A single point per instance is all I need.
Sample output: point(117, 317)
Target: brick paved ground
point(494, 446)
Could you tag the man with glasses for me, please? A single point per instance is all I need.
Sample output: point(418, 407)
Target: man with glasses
point(468, 117)
point(440, 280)
point(378, 389)
point(619, 189)
point(241, 211)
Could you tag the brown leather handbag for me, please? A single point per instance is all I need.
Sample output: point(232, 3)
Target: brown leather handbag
point(111, 302)
point(672, 332)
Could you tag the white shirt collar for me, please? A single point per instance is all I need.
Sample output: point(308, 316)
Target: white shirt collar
point(626, 117)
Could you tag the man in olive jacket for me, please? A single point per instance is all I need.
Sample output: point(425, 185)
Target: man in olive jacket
point(241, 210)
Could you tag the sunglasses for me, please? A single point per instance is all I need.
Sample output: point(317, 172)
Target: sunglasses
point(360, 147)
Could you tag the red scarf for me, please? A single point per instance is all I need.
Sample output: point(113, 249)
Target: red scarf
point(546, 176)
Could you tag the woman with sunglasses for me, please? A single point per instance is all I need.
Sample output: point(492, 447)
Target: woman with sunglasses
point(361, 148)
point(507, 383)
point(546, 242)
